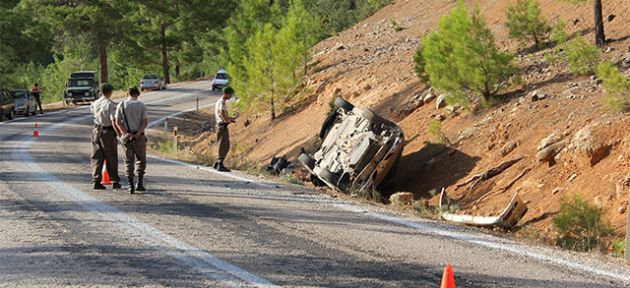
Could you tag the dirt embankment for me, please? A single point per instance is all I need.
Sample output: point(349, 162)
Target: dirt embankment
point(371, 65)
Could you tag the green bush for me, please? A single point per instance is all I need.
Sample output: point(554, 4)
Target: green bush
point(616, 86)
point(619, 248)
point(395, 25)
point(580, 224)
point(435, 130)
point(558, 32)
point(582, 56)
point(419, 62)
point(461, 58)
point(525, 23)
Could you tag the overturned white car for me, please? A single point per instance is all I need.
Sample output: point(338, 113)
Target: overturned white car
point(360, 149)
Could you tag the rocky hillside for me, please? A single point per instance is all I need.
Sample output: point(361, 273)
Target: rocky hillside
point(555, 121)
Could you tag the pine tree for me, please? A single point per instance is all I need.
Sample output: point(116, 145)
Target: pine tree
point(600, 36)
point(524, 21)
point(99, 19)
point(461, 58)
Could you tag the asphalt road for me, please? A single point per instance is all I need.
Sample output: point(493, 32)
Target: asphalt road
point(199, 228)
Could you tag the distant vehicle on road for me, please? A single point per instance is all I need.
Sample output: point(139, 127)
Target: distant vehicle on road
point(220, 80)
point(360, 150)
point(81, 90)
point(7, 105)
point(25, 103)
point(152, 82)
point(83, 75)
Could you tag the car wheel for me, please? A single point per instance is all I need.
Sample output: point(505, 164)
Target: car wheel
point(328, 176)
point(1, 114)
point(372, 117)
point(343, 104)
point(307, 161)
point(11, 115)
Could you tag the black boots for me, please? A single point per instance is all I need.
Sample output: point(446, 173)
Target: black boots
point(99, 186)
point(219, 166)
point(132, 188)
point(140, 186)
point(116, 185)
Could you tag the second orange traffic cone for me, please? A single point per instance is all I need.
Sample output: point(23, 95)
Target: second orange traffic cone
point(105, 176)
point(448, 278)
point(36, 132)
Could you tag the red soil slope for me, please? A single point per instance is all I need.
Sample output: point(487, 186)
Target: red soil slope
point(371, 65)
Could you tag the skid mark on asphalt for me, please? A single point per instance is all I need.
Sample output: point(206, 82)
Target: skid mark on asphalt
point(202, 261)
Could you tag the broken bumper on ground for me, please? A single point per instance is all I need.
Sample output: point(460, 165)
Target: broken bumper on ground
point(508, 218)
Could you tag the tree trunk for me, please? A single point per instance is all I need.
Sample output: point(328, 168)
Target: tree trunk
point(102, 60)
point(536, 41)
point(177, 70)
point(167, 77)
point(600, 37)
point(273, 107)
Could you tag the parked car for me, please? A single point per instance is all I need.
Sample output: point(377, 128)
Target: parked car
point(7, 105)
point(220, 80)
point(81, 90)
point(25, 103)
point(360, 150)
point(152, 82)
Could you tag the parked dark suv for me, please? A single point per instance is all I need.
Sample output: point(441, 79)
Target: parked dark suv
point(81, 87)
point(7, 105)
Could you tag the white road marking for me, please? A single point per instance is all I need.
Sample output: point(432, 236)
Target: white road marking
point(202, 261)
point(477, 239)
point(487, 241)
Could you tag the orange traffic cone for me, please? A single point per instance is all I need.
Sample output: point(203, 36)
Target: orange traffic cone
point(36, 132)
point(448, 278)
point(105, 175)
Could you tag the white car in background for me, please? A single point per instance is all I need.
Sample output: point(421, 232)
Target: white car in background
point(152, 82)
point(220, 80)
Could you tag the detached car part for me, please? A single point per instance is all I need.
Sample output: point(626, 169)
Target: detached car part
point(508, 218)
point(360, 150)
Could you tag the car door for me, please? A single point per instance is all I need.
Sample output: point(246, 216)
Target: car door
point(30, 101)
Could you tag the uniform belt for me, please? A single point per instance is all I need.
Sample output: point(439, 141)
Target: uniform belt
point(103, 127)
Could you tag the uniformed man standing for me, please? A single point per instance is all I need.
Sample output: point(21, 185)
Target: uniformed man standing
point(131, 120)
point(37, 94)
point(223, 135)
point(104, 142)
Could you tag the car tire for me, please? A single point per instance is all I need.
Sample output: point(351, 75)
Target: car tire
point(307, 161)
point(1, 114)
point(328, 176)
point(343, 104)
point(11, 115)
point(372, 117)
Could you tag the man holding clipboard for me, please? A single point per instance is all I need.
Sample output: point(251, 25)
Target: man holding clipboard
point(223, 134)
